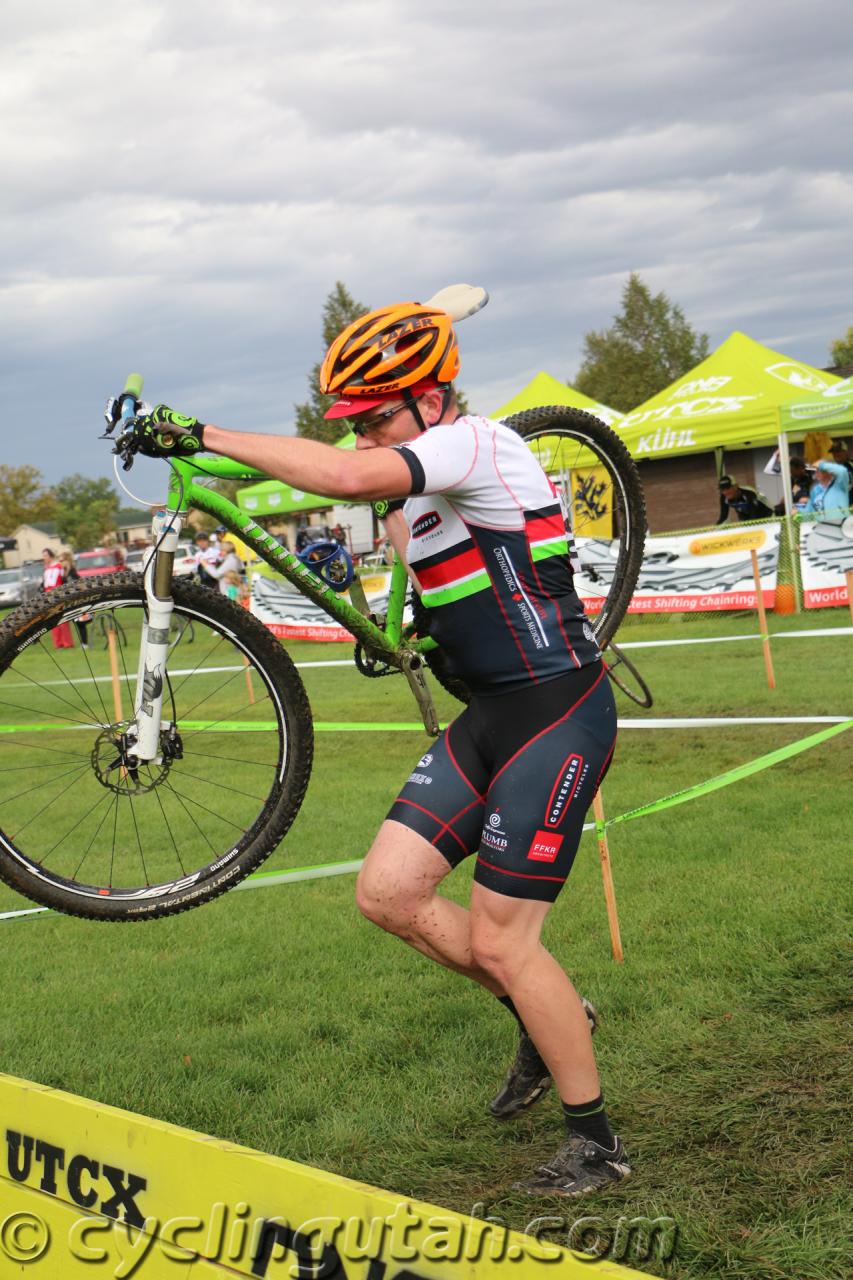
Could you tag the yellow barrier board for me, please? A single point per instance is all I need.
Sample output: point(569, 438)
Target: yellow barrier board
point(91, 1191)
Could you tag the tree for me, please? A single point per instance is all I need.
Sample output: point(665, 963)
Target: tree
point(339, 310)
point(841, 350)
point(86, 510)
point(648, 345)
point(23, 498)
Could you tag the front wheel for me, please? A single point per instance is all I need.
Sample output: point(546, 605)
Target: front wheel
point(86, 831)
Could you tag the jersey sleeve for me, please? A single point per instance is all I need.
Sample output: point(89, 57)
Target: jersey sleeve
point(442, 458)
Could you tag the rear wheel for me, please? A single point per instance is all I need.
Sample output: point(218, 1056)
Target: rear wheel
point(85, 830)
point(601, 493)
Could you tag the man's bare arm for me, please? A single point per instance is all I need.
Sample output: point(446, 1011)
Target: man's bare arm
point(353, 475)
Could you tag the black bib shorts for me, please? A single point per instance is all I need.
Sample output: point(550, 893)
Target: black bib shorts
point(511, 780)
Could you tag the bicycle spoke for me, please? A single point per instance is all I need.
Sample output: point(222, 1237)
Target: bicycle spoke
point(97, 686)
point(222, 786)
point(207, 809)
point(138, 840)
point(50, 803)
point(181, 802)
point(171, 833)
point(74, 687)
point(87, 724)
point(78, 823)
point(210, 755)
point(189, 675)
point(94, 837)
point(28, 791)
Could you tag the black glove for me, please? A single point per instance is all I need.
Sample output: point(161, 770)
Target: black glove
point(163, 433)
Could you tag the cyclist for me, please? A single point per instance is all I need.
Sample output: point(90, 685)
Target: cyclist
point(482, 530)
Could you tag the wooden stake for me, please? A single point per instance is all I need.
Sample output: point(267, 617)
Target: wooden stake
point(849, 576)
point(607, 877)
point(111, 645)
point(249, 680)
point(762, 622)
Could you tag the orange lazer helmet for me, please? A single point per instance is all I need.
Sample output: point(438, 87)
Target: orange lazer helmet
point(393, 350)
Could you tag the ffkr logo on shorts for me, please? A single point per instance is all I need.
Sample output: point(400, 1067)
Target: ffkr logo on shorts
point(544, 847)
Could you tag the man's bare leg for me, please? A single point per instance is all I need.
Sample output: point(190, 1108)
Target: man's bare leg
point(505, 943)
point(397, 890)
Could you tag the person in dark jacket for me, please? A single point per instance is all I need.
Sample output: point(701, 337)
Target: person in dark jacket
point(747, 503)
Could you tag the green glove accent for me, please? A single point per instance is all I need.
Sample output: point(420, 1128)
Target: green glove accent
point(164, 433)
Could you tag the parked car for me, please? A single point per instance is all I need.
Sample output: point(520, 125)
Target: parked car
point(184, 559)
point(11, 588)
point(32, 572)
point(100, 560)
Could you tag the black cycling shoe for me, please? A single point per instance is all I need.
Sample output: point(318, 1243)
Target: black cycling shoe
point(580, 1167)
point(528, 1078)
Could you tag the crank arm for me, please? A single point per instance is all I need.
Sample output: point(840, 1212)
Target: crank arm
point(413, 668)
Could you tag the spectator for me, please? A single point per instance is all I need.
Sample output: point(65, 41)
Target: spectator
point(230, 585)
point(802, 477)
point(304, 538)
point(206, 557)
point(747, 503)
point(839, 452)
point(830, 494)
point(47, 559)
point(82, 623)
point(54, 576)
point(230, 563)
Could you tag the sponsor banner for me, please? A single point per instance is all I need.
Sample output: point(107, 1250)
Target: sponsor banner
point(826, 556)
point(692, 572)
point(88, 1190)
point(292, 616)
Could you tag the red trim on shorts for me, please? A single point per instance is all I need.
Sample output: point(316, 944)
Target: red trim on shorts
point(604, 767)
point(521, 875)
point(549, 727)
point(443, 826)
point(458, 769)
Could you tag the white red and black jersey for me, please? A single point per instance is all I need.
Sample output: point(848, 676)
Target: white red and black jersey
point(53, 576)
point(489, 545)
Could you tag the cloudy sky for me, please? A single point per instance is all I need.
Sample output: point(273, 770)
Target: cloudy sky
point(183, 183)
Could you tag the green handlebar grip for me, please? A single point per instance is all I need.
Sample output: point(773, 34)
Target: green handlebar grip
point(133, 386)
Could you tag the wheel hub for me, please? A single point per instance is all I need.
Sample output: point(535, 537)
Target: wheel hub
point(117, 767)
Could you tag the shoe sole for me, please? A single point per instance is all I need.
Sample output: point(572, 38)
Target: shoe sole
point(530, 1099)
point(523, 1104)
point(545, 1189)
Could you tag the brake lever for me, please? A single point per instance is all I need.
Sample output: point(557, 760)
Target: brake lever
point(125, 447)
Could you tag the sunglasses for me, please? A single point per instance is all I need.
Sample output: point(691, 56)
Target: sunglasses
point(361, 426)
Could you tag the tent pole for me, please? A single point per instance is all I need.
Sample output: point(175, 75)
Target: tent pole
point(785, 464)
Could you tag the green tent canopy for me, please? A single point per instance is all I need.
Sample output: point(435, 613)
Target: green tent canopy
point(743, 395)
point(274, 497)
point(545, 390)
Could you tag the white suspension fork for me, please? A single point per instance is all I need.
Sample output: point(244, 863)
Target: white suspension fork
point(154, 648)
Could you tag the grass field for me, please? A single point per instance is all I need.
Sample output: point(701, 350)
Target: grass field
point(280, 1019)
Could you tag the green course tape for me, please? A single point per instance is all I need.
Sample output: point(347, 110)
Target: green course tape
point(732, 775)
point(257, 880)
point(238, 726)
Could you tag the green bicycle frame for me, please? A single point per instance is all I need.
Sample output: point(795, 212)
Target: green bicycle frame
point(185, 493)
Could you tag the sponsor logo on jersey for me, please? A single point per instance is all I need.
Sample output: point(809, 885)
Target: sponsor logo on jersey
point(425, 761)
point(544, 846)
point(423, 524)
point(420, 779)
point(569, 778)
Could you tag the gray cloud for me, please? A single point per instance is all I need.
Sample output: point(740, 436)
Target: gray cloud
point(185, 183)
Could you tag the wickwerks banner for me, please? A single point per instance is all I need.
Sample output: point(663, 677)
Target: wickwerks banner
point(826, 556)
point(681, 573)
point(292, 616)
point(688, 572)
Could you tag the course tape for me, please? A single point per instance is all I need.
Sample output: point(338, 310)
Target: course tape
point(731, 775)
point(265, 879)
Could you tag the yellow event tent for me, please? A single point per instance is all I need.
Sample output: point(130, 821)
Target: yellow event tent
point(544, 390)
point(743, 395)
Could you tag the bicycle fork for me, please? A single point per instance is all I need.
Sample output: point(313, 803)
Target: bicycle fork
point(144, 732)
